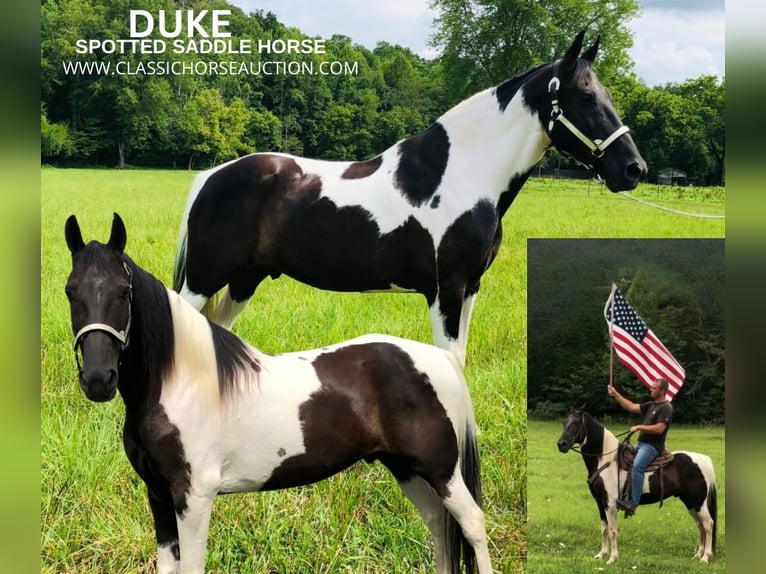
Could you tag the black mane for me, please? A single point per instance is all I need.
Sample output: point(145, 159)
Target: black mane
point(149, 354)
point(594, 445)
point(506, 90)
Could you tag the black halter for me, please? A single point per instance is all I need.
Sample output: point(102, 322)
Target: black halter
point(122, 336)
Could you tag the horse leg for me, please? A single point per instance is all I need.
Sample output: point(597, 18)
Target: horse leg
point(705, 526)
point(227, 310)
point(604, 530)
point(197, 300)
point(236, 297)
point(463, 508)
point(166, 529)
point(446, 320)
point(432, 511)
point(611, 523)
point(193, 525)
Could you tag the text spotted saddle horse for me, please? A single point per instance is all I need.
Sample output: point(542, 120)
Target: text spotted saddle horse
point(626, 453)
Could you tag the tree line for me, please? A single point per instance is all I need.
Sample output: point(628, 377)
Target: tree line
point(195, 121)
point(676, 286)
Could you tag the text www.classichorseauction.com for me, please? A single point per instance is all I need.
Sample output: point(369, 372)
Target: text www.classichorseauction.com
point(217, 42)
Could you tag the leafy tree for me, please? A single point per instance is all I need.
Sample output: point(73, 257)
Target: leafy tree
point(212, 130)
point(487, 41)
point(679, 126)
point(55, 139)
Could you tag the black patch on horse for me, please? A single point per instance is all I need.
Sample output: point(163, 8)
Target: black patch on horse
point(242, 208)
point(465, 252)
point(389, 410)
point(513, 189)
point(361, 169)
point(422, 161)
point(166, 466)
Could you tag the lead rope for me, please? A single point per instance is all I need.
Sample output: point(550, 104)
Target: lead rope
point(669, 210)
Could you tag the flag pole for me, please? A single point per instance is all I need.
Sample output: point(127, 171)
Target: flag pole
point(611, 334)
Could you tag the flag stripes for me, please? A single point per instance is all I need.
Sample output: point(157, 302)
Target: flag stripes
point(638, 348)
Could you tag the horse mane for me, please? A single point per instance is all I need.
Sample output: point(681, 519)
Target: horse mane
point(595, 432)
point(507, 89)
point(233, 356)
point(152, 336)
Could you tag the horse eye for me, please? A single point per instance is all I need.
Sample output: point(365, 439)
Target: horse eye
point(588, 97)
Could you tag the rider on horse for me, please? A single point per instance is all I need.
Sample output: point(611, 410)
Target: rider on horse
point(651, 441)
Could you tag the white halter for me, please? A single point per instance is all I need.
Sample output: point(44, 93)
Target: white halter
point(597, 146)
point(121, 336)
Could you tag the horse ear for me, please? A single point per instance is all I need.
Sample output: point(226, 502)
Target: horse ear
point(570, 57)
point(73, 236)
point(119, 236)
point(590, 53)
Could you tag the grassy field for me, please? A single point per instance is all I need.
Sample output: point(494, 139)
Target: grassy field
point(564, 524)
point(94, 513)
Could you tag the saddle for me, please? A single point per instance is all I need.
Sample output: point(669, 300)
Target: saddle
point(626, 453)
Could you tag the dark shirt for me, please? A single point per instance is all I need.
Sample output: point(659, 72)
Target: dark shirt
point(656, 413)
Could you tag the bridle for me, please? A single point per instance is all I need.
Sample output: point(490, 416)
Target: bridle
point(597, 147)
point(573, 437)
point(122, 336)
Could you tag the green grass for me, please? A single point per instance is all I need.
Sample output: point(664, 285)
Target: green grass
point(94, 513)
point(564, 524)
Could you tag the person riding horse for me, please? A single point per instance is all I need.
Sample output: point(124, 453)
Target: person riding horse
point(651, 441)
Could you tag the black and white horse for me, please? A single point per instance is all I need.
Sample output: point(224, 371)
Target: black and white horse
point(205, 413)
point(689, 476)
point(424, 216)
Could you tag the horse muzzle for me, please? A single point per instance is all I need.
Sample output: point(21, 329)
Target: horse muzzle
point(99, 383)
point(630, 177)
point(563, 445)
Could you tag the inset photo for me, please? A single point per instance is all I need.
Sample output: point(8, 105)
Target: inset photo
point(626, 405)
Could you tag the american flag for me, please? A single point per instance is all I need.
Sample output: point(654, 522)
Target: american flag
point(638, 348)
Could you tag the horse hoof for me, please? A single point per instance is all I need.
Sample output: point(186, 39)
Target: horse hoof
point(612, 560)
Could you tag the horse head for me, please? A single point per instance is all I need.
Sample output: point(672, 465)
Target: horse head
point(99, 290)
point(574, 430)
point(579, 117)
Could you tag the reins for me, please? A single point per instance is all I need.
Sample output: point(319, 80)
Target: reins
point(605, 465)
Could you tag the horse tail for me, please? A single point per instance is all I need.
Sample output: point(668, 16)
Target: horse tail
point(179, 269)
point(459, 548)
point(712, 508)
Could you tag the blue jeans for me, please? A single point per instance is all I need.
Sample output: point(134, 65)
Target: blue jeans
point(645, 454)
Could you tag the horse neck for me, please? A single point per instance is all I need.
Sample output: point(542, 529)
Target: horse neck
point(492, 145)
point(600, 441)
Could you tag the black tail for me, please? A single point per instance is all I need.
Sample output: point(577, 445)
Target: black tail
point(712, 508)
point(460, 550)
point(179, 271)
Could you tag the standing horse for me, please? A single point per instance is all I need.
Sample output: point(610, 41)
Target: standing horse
point(689, 476)
point(424, 216)
point(205, 413)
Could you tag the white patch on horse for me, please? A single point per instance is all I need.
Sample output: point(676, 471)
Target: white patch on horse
point(166, 561)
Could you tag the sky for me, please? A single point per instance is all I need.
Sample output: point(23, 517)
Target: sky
point(674, 40)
